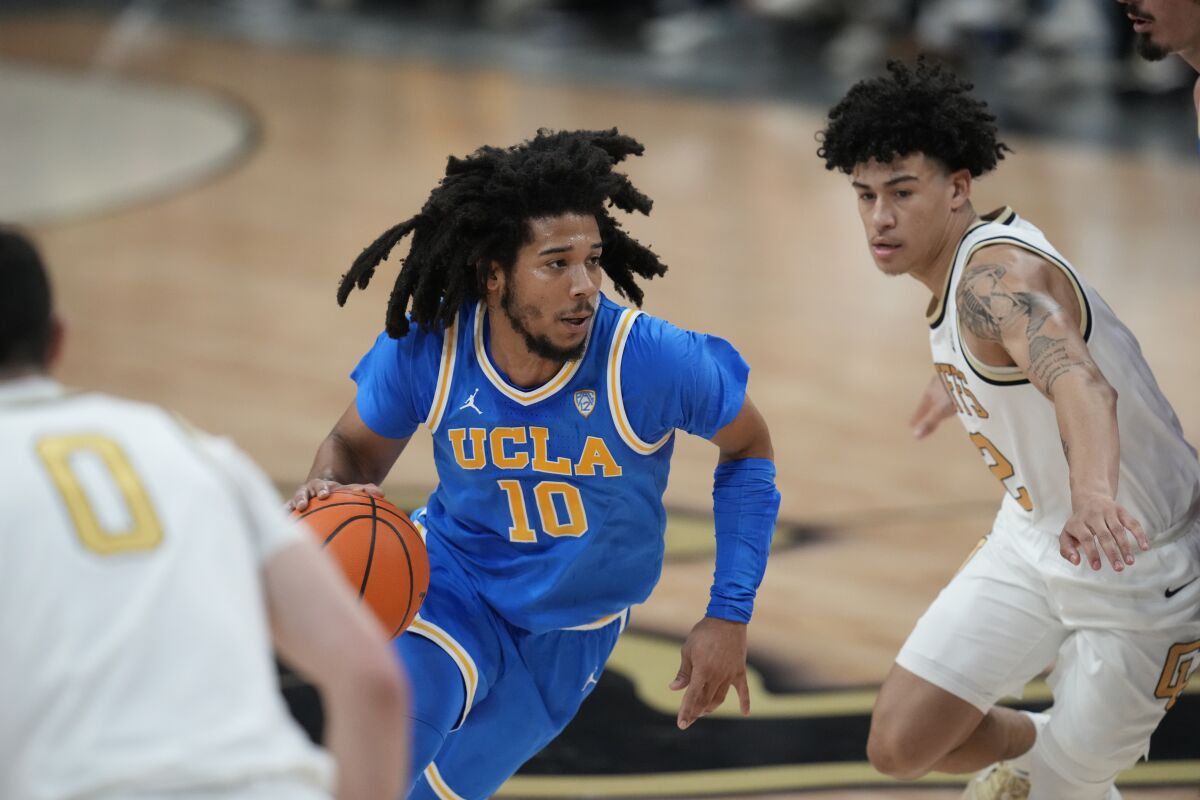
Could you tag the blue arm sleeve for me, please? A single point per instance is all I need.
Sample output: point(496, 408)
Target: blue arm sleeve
point(396, 380)
point(745, 506)
point(675, 378)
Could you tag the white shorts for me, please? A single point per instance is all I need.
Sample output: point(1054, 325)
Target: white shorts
point(1124, 648)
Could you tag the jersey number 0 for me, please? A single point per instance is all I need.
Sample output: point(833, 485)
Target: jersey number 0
point(143, 531)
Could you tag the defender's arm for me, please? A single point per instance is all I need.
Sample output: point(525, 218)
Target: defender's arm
point(1013, 301)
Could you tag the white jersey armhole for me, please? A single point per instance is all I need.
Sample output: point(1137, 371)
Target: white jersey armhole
point(616, 401)
point(1014, 374)
point(441, 391)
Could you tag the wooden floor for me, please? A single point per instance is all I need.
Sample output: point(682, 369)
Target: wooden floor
point(216, 298)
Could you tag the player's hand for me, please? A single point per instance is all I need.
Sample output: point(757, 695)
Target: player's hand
point(936, 405)
point(712, 660)
point(1097, 524)
point(320, 489)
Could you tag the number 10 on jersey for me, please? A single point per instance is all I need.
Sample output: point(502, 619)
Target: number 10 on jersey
point(559, 509)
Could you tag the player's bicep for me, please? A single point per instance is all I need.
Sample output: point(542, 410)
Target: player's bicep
point(746, 436)
point(370, 454)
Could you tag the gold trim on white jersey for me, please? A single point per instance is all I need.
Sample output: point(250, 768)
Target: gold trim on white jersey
point(616, 402)
point(441, 392)
point(460, 656)
point(438, 784)
point(937, 305)
point(525, 398)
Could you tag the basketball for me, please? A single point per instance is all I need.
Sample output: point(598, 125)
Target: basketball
point(378, 550)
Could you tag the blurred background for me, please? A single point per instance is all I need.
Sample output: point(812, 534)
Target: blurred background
point(199, 173)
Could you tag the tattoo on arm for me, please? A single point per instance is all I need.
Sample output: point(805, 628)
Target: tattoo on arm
point(987, 308)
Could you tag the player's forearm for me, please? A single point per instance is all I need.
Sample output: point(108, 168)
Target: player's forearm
point(337, 460)
point(368, 736)
point(745, 506)
point(1086, 407)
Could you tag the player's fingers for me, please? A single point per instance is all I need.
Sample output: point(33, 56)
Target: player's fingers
point(1133, 526)
point(743, 692)
point(920, 412)
point(1087, 541)
point(299, 500)
point(372, 490)
point(684, 676)
point(716, 698)
point(1121, 535)
point(689, 709)
point(1108, 543)
point(1067, 548)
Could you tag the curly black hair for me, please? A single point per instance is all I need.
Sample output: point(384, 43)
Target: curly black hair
point(925, 110)
point(480, 211)
point(26, 304)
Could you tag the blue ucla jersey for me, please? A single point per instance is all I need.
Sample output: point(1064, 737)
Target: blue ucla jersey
point(550, 498)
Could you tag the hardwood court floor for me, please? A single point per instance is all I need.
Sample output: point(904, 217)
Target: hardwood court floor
point(216, 299)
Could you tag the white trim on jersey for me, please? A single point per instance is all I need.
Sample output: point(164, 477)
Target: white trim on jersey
point(458, 654)
point(445, 377)
point(525, 398)
point(616, 402)
point(438, 784)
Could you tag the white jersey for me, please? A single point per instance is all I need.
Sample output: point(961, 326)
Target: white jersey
point(1014, 425)
point(135, 650)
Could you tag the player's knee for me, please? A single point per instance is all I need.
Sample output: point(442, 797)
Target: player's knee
point(890, 750)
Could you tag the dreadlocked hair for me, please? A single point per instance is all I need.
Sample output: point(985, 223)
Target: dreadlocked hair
point(925, 110)
point(479, 214)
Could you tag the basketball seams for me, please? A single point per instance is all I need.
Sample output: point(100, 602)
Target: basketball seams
point(387, 594)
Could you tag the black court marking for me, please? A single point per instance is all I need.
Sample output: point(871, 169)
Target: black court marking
point(619, 745)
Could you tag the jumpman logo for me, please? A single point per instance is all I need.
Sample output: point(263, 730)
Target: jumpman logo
point(471, 404)
point(591, 679)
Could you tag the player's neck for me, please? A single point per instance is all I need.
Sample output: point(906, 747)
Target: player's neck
point(933, 275)
point(1192, 56)
point(510, 354)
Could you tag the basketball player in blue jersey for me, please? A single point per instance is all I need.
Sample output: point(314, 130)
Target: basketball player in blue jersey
point(553, 413)
point(1093, 561)
point(1163, 27)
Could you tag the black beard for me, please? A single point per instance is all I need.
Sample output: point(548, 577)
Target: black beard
point(540, 346)
point(1147, 49)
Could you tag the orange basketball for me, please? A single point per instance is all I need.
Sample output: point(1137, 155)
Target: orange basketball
point(379, 551)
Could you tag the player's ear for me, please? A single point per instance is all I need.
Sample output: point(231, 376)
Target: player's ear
point(960, 188)
point(495, 277)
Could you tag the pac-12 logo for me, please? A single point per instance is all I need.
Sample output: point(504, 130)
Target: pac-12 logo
point(585, 401)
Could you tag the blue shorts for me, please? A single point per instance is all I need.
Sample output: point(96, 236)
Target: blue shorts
point(521, 688)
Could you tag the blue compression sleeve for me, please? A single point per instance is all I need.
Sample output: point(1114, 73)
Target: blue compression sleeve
point(745, 505)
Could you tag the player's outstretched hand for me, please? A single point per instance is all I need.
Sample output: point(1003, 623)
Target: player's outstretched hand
point(1099, 523)
point(320, 489)
point(936, 405)
point(712, 660)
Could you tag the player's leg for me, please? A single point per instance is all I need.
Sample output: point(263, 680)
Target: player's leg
point(453, 653)
point(987, 634)
point(438, 694)
point(1111, 690)
point(545, 679)
point(939, 730)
